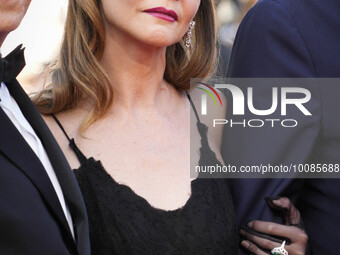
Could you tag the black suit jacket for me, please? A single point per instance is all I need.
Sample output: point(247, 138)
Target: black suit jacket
point(295, 39)
point(31, 218)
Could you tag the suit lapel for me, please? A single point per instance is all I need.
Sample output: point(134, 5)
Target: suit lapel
point(16, 149)
point(62, 169)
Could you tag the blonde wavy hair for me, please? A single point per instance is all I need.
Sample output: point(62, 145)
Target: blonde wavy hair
point(77, 75)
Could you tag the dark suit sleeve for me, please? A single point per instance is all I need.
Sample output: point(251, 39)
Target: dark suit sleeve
point(269, 44)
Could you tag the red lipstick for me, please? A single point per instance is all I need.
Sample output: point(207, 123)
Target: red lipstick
point(163, 13)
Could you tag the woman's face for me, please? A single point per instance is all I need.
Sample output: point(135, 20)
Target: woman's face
point(155, 22)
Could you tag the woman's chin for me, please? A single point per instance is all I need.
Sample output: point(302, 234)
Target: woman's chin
point(160, 39)
point(161, 43)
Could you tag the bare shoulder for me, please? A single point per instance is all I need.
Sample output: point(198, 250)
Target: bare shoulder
point(211, 104)
point(50, 122)
point(68, 120)
point(61, 137)
point(55, 129)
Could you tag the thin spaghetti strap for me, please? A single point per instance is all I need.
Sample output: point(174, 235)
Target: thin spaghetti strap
point(81, 157)
point(61, 127)
point(202, 128)
point(193, 107)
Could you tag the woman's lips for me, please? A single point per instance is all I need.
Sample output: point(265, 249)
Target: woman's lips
point(163, 13)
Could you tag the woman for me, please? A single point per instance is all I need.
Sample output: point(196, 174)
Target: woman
point(119, 93)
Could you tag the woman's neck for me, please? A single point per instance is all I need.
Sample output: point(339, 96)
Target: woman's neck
point(137, 71)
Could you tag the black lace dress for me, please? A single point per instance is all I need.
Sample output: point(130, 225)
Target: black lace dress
point(121, 222)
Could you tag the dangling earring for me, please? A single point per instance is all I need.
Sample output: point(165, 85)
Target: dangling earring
point(188, 39)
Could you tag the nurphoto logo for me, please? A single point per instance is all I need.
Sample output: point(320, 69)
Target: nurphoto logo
point(243, 105)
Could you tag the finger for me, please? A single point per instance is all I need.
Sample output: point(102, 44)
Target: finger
point(275, 229)
point(292, 214)
point(264, 236)
point(253, 248)
point(262, 242)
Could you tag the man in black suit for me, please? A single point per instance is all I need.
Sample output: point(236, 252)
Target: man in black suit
point(291, 39)
point(41, 207)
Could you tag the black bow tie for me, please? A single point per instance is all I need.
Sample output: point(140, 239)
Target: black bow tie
point(12, 64)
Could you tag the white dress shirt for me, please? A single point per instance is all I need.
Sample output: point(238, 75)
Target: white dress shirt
point(11, 108)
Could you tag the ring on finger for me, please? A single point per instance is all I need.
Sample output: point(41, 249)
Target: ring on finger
point(280, 250)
